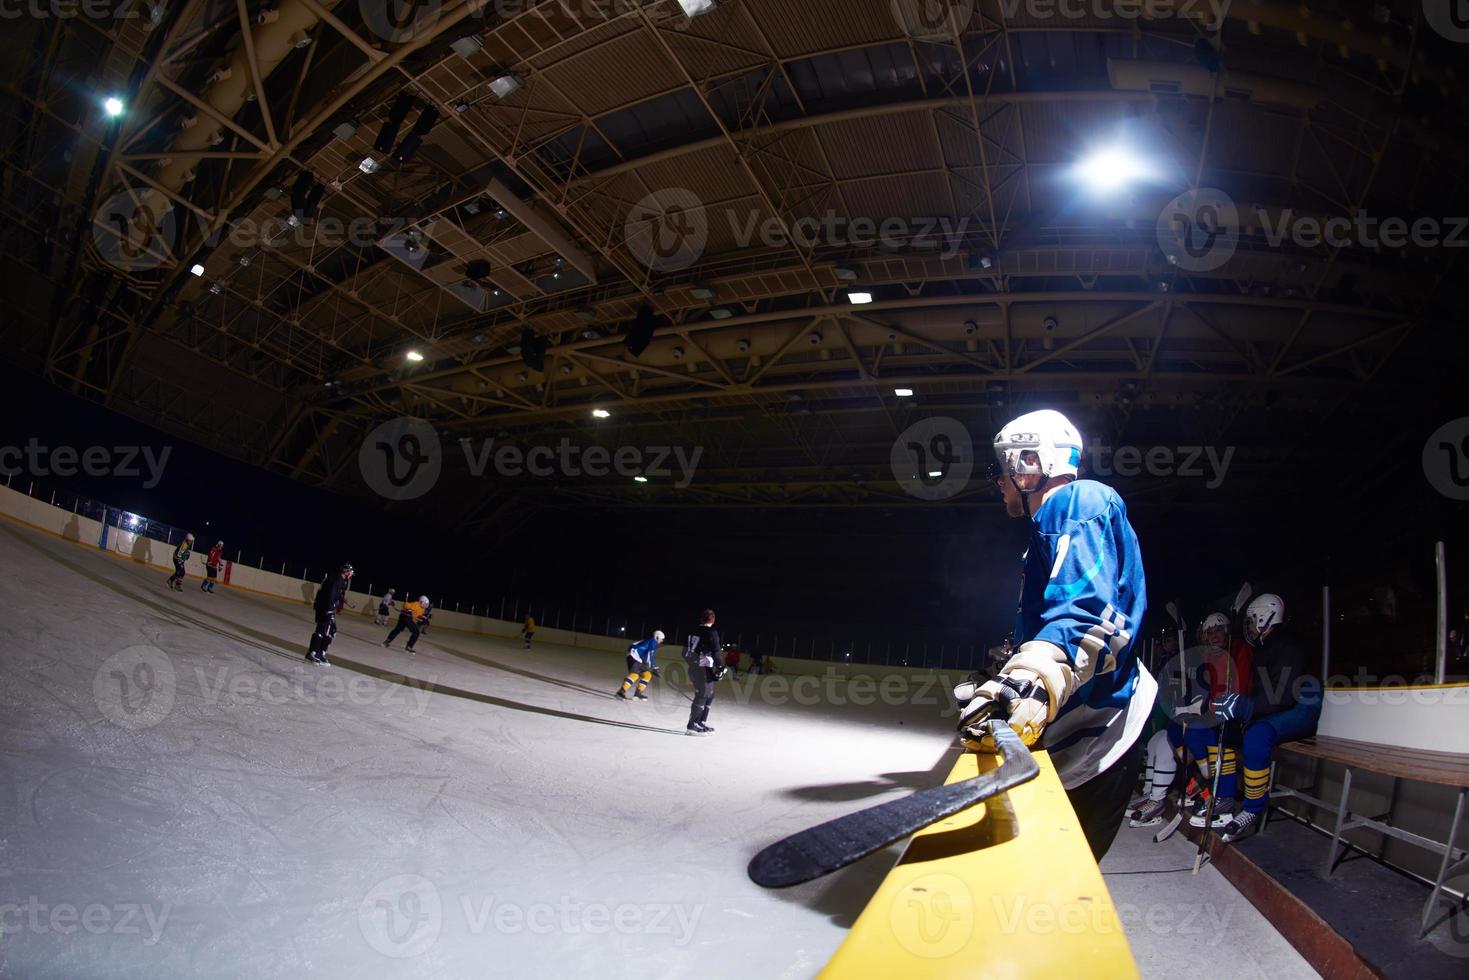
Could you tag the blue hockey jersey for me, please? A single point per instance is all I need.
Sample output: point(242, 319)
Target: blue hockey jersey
point(1083, 590)
point(644, 651)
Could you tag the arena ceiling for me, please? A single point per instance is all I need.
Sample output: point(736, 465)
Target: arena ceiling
point(738, 175)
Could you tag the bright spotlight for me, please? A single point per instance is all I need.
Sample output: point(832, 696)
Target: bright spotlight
point(935, 474)
point(640, 479)
point(859, 299)
point(414, 356)
point(197, 269)
point(601, 413)
point(1111, 168)
point(113, 107)
point(903, 392)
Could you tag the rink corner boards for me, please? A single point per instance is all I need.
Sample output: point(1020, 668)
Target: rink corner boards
point(1007, 888)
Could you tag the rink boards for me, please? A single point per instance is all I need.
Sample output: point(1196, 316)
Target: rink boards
point(1006, 889)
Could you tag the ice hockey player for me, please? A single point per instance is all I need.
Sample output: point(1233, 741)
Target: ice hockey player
point(409, 616)
point(384, 609)
point(1284, 703)
point(180, 558)
point(1216, 675)
point(528, 630)
point(331, 596)
point(1073, 684)
point(212, 563)
point(702, 654)
point(640, 667)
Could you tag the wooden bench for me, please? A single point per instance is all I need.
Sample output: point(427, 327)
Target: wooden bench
point(1423, 765)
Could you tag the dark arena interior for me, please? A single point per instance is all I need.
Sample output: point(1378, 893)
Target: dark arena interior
point(868, 488)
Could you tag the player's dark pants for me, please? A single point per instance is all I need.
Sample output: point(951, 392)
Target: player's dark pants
point(213, 572)
point(326, 628)
point(703, 681)
point(405, 622)
point(1101, 802)
point(178, 573)
point(1259, 741)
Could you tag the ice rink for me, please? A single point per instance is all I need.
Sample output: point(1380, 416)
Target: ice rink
point(184, 796)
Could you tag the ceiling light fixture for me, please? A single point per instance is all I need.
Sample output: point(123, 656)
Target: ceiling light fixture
point(506, 85)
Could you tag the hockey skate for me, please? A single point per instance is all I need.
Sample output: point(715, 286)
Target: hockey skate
point(1243, 825)
point(1149, 814)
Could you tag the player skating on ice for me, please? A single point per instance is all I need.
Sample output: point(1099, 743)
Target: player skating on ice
point(409, 616)
point(384, 609)
point(702, 654)
point(640, 667)
point(1073, 684)
point(1283, 704)
point(180, 558)
point(528, 631)
point(212, 563)
point(331, 596)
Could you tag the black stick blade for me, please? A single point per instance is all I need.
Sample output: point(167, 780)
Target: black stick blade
point(837, 843)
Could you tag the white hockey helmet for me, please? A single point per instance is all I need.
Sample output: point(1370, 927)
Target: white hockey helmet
point(658, 635)
point(188, 537)
point(1263, 612)
point(423, 600)
point(1215, 620)
point(1048, 434)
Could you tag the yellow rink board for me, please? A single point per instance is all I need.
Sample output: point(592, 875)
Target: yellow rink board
point(1004, 889)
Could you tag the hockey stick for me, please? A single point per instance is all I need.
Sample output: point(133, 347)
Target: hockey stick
point(837, 843)
point(1209, 810)
point(1241, 597)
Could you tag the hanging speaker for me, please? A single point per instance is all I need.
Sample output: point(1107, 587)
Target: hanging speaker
point(640, 331)
point(387, 137)
point(533, 350)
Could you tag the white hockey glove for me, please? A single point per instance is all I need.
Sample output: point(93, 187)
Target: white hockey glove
point(1029, 692)
point(1190, 712)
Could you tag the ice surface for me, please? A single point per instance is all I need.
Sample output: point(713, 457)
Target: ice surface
point(183, 796)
